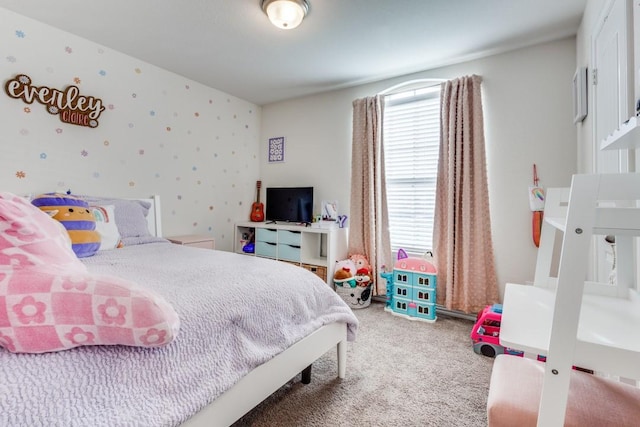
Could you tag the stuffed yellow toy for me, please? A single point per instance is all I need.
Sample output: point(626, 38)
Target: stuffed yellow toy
point(76, 217)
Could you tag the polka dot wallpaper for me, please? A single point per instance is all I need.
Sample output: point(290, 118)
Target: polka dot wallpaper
point(159, 133)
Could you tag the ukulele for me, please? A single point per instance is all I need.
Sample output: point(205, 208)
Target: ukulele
point(257, 208)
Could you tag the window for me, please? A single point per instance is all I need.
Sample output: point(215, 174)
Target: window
point(402, 278)
point(411, 133)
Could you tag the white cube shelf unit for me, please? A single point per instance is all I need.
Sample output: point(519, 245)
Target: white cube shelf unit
point(316, 249)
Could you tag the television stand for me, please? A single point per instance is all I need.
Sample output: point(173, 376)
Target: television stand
point(316, 249)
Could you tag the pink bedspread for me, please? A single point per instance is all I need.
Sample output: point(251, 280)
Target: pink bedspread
point(236, 313)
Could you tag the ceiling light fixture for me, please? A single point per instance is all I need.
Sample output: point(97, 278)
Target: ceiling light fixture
point(285, 14)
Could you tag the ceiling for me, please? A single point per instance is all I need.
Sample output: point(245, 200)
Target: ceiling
point(230, 45)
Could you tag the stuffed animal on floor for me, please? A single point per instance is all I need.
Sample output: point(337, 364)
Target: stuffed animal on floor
point(49, 301)
point(74, 214)
point(344, 273)
point(363, 274)
point(363, 278)
point(361, 261)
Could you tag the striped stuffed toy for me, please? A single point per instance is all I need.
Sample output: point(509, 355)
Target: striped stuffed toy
point(74, 214)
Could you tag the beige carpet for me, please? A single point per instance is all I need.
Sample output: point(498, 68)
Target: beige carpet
point(399, 373)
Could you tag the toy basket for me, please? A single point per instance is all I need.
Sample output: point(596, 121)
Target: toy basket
point(355, 296)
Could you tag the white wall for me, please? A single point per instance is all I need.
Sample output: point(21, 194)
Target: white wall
point(587, 146)
point(160, 133)
point(528, 119)
point(206, 166)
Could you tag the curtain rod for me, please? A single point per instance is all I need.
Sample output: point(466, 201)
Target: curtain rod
point(417, 82)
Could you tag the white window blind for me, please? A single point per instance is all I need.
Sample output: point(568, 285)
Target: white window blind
point(411, 133)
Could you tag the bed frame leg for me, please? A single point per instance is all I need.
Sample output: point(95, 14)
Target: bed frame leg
point(342, 359)
point(306, 375)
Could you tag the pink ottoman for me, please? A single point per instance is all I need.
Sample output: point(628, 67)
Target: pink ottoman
point(516, 386)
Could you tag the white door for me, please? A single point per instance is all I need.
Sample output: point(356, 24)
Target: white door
point(611, 99)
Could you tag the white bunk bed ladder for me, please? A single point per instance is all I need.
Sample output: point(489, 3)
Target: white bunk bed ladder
point(555, 216)
point(599, 205)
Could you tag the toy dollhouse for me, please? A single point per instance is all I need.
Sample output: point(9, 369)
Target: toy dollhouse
point(411, 288)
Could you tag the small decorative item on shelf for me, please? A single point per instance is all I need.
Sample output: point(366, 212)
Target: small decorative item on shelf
point(329, 216)
point(329, 210)
point(411, 288)
point(248, 242)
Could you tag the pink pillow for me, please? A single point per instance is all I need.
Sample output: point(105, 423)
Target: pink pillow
point(50, 302)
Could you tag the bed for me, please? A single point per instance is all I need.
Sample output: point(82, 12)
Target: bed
point(247, 326)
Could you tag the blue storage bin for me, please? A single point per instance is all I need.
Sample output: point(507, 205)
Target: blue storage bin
point(266, 235)
point(289, 252)
point(288, 237)
point(266, 249)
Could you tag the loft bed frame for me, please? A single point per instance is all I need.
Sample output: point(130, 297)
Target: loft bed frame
point(261, 382)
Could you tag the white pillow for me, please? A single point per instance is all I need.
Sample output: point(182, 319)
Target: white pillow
point(106, 226)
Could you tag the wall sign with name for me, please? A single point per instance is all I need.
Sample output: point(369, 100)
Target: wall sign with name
point(68, 104)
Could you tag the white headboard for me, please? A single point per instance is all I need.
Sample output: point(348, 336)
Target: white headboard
point(154, 219)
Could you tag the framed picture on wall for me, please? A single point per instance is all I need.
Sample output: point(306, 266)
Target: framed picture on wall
point(276, 150)
point(580, 94)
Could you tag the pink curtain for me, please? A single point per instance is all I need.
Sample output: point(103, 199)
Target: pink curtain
point(462, 228)
point(368, 221)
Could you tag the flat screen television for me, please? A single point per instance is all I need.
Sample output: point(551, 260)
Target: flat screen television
point(290, 204)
